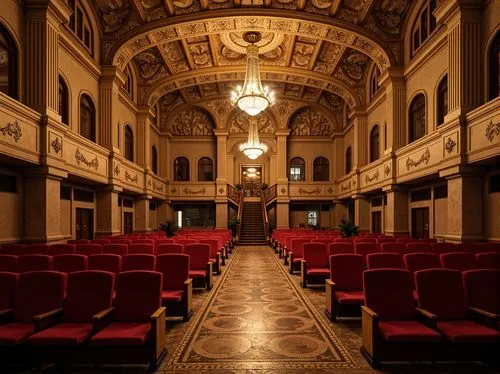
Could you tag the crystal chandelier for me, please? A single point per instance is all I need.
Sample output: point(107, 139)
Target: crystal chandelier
point(253, 148)
point(252, 98)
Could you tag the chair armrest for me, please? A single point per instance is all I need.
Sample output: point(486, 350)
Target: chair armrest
point(6, 315)
point(484, 317)
point(426, 317)
point(303, 273)
point(45, 320)
point(369, 312)
point(158, 331)
point(101, 319)
point(188, 294)
point(369, 334)
point(210, 270)
point(484, 313)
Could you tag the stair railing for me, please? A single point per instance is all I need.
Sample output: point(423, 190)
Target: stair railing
point(265, 219)
point(240, 215)
point(270, 194)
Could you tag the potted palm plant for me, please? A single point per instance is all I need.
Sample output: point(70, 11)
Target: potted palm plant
point(348, 228)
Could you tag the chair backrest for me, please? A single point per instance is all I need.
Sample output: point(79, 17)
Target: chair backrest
point(488, 247)
point(385, 240)
point(8, 263)
point(418, 248)
point(394, 247)
point(8, 286)
point(482, 289)
point(214, 247)
point(420, 261)
point(148, 249)
point(488, 260)
point(199, 255)
point(138, 295)
point(185, 241)
point(12, 249)
point(100, 241)
point(62, 249)
point(121, 241)
point(166, 248)
point(175, 270)
point(115, 249)
point(317, 255)
point(365, 240)
point(89, 249)
point(458, 261)
point(388, 292)
point(338, 248)
point(344, 240)
point(78, 241)
point(384, 261)
point(143, 241)
point(138, 261)
point(297, 246)
point(440, 248)
point(428, 240)
point(406, 240)
point(106, 262)
point(88, 293)
point(466, 247)
point(33, 263)
point(441, 291)
point(365, 249)
point(346, 271)
point(38, 292)
point(69, 263)
point(164, 241)
point(37, 249)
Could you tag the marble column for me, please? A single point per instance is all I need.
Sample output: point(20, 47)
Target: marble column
point(339, 212)
point(362, 213)
point(108, 217)
point(164, 159)
point(282, 201)
point(396, 211)
point(143, 138)
point(142, 223)
point(395, 87)
point(111, 81)
point(360, 146)
point(221, 205)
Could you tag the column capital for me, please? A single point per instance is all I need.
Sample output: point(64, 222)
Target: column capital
point(394, 188)
point(460, 171)
point(282, 132)
point(221, 133)
point(467, 9)
point(57, 9)
point(393, 75)
point(112, 74)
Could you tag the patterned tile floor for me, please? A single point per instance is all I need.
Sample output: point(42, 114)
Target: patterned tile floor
point(257, 319)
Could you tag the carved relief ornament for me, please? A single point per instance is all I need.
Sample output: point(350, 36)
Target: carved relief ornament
point(80, 158)
point(424, 159)
point(12, 129)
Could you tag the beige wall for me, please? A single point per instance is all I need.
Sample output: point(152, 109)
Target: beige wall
point(193, 151)
point(491, 211)
point(309, 151)
point(440, 217)
point(11, 213)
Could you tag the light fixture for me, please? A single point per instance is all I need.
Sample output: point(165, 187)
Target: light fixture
point(252, 98)
point(252, 170)
point(253, 148)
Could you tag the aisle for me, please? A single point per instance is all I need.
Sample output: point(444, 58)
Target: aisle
point(257, 317)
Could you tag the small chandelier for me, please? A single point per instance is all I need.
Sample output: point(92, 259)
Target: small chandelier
point(252, 98)
point(253, 148)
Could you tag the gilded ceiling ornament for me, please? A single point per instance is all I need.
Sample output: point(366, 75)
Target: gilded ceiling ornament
point(201, 55)
point(239, 124)
point(310, 122)
point(114, 13)
point(389, 14)
point(148, 63)
point(353, 64)
point(322, 4)
point(192, 122)
point(183, 3)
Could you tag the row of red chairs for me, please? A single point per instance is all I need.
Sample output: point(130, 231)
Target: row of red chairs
point(51, 317)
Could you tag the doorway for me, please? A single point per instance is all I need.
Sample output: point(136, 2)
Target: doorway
point(84, 225)
point(251, 180)
point(128, 222)
point(420, 222)
point(377, 222)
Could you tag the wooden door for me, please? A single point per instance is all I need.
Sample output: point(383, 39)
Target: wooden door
point(251, 180)
point(84, 225)
point(377, 222)
point(128, 225)
point(420, 222)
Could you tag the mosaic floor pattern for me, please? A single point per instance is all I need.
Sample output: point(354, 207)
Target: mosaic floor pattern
point(257, 317)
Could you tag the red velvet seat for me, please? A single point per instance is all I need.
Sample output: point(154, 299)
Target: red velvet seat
point(365, 249)
point(419, 247)
point(8, 263)
point(316, 264)
point(144, 248)
point(384, 260)
point(69, 263)
point(88, 294)
point(394, 247)
point(106, 262)
point(466, 247)
point(344, 240)
point(167, 248)
point(136, 333)
point(200, 266)
point(115, 249)
point(341, 248)
point(458, 261)
point(177, 290)
point(38, 292)
point(37, 249)
point(121, 241)
point(487, 247)
point(89, 249)
point(143, 241)
point(344, 289)
point(488, 260)
point(428, 240)
point(215, 253)
point(185, 241)
point(382, 240)
point(365, 240)
point(295, 253)
point(8, 286)
point(440, 248)
point(61, 249)
point(77, 242)
point(406, 240)
point(441, 293)
point(138, 261)
point(482, 289)
point(100, 241)
point(163, 241)
point(33, 263)
point(390, 330)
point(12, 249)
point(420, 261)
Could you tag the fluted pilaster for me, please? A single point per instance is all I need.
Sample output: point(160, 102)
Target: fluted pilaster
point(395, 88)
point(109, 84)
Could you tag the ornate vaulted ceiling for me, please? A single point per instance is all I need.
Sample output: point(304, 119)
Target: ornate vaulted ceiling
point(312, 51)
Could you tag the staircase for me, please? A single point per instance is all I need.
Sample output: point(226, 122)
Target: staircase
point(252, 226)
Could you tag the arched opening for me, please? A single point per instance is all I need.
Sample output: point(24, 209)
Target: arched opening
point(181, 169)
point(374, 87)
point(442, 100)
point(494, 68)
point(348, 160)
point(129, 83)
point(424, 25)
point(129, 143)
point(297, 169)
point(417, 118)
point(321, 169)
point(8, 63)
point(374, 144)
point(87, 118)
point(63, 101)
point(154, 160)
point(80, 26)
point(205, 169)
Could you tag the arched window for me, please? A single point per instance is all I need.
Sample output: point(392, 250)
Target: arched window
point(494, 68)
point(8, 63)
point(348, 160)
point(321, 168)
point(63, 101)
point(442, 100)
point(205, 169)
point(80, 25)
point(297, 169)
point(181, 169)
point(374, 82)
point(154, 160)
point(87, 117)
point(374, 144)
point(129, 143)
point(129, 83)
point(417, 118)
point(424, 25)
